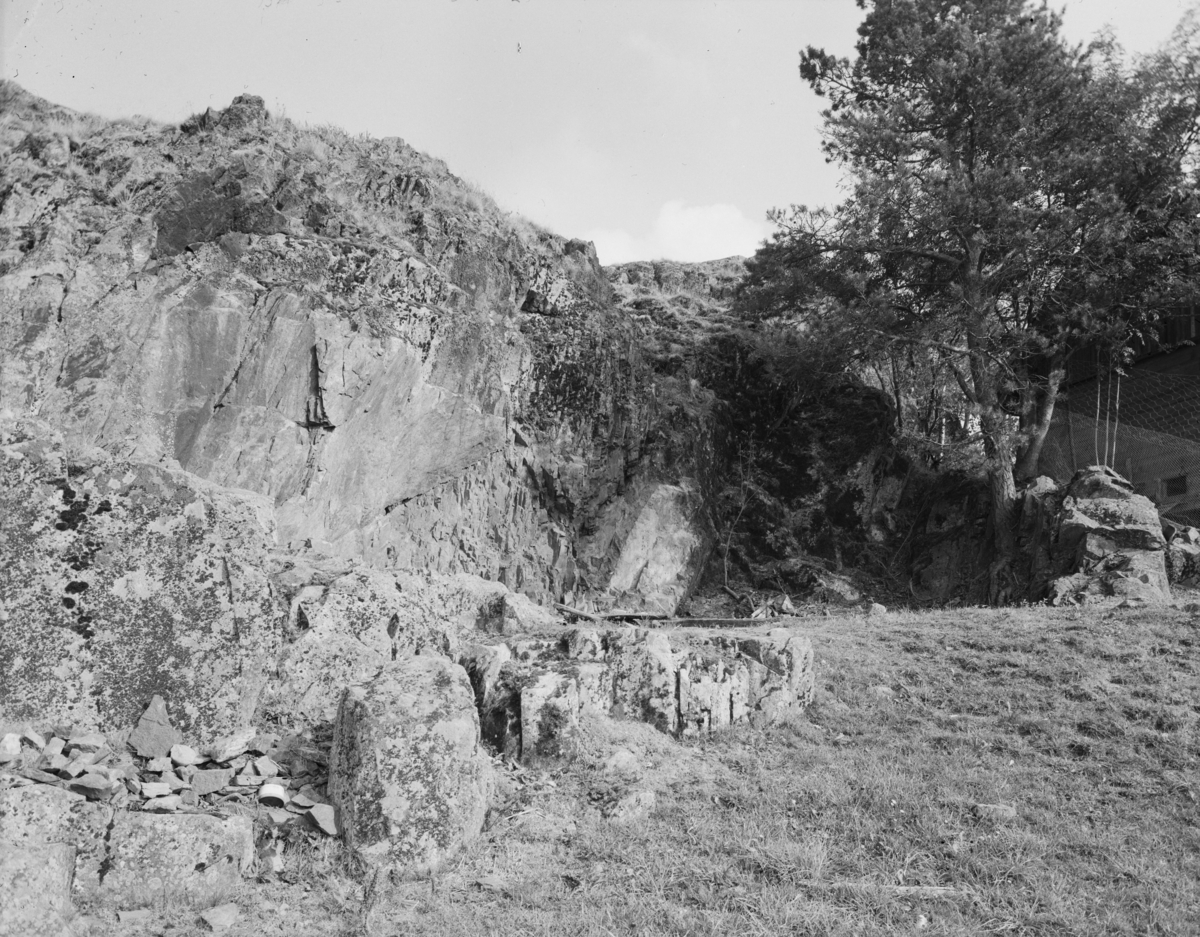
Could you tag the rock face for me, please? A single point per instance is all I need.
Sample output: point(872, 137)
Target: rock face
point(408, 377)
point(406, 771)
point(1110, 540)
point(532, 691)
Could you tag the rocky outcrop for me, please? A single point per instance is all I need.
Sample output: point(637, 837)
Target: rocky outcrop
point(411, 378)
point(406, 771)
point(1110, 541)
point(533, 691)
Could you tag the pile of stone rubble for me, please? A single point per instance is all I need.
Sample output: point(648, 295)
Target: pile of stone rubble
point(259, 775)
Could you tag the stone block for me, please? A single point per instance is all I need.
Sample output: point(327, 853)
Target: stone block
point(36, 814)
point(190, 856)
point(406, 772)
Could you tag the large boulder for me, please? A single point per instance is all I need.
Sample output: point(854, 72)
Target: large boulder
point(406, 771)
point(1108, 542)
point(345, 628)
point(120, 581)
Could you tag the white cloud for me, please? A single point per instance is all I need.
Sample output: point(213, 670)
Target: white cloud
point(684, 232)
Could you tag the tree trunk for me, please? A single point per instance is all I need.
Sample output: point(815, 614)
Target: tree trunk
point(1002, 587)
point(1027, 465)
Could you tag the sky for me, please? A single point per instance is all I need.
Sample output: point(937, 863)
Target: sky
point(655, 128)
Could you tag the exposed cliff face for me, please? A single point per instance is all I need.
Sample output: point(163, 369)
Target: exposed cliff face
point(339, 324)
point(798, 473)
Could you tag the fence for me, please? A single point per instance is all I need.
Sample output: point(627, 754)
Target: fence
point(1144, 424)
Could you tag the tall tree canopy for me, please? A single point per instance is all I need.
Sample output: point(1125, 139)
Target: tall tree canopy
point(1011, 198)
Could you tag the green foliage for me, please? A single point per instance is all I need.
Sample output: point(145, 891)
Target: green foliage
point(1012, 198)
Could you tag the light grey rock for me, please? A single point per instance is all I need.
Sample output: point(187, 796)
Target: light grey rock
point(349, 629)
point(211, 780)
point(35, 889)
point(1110, 541)
point(175, 855)
point(222, 917)
point(406, 773)
point(126, 581)
point(37, 814)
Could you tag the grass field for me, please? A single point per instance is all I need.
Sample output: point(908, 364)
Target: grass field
point(883, 810)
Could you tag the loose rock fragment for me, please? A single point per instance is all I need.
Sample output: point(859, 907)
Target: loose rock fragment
point(186, 755)
point(155, 789)
point(229, 747)
point(211, 781)
point(222, 917)
point(10, 747)
point(93, 787)
point(87, 741)
point(325, 819)
point(154, 735)
point(998, 812)
point(34, 739)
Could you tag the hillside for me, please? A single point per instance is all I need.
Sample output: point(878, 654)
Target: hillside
point(335, 503)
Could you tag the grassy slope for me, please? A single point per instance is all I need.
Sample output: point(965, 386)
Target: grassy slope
point(859, 817)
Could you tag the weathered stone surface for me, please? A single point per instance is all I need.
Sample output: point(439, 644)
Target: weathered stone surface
point(533, 692)
point(1182, 559)
point(347, 630)
point(122, 581)
point(35, 889)
point(154, 736)
point(410, 378)
point(663, 552)
point(163, 856)
point(211, 781)
point(406, 773)
point(1109, 542)
point(37, 814)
